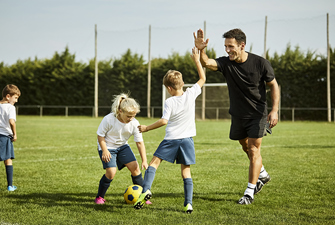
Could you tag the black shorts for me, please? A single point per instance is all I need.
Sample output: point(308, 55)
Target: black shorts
point(243, 128)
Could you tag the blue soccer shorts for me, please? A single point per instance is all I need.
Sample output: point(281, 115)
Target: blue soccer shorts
point(180, 151)
point(120, 157)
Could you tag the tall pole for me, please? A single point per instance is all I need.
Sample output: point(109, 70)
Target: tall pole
point(149, 77)
point(265, 31)
point(96, 76)
point(328, 74)
point(203, 106)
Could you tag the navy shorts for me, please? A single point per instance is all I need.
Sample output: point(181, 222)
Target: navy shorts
point(6, 148)
point(243, 128)
point(179, 150)
point(120, 157)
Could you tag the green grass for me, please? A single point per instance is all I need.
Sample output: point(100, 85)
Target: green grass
point(57, 171)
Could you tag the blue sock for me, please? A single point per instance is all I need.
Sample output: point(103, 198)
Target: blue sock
point(188, 190)
point(103, 186)
point(149, 177)
point(9, 172)
point(138, 179)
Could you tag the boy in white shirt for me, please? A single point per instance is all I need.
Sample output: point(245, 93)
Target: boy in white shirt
point(10, 95)
point(178, 145)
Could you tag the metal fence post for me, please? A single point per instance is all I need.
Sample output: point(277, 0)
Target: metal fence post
point(293, 114)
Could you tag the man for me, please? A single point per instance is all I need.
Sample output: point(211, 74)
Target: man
point(247, 76)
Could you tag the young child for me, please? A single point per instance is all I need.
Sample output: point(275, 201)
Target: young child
point(10, 95)
point(113, 133)
point(178, 145)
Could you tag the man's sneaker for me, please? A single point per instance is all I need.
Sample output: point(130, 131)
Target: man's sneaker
point(260, 183)
point(99, 200)
point(245, 200)
point(142, 199)
point(11, 188)
point(188, 208)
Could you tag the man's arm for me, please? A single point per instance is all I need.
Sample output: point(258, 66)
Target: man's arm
point(157, 124)
point(273, 115)
point(201, 45)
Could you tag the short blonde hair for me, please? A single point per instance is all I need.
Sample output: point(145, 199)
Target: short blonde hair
point(11, 89)
point(125, 103)
point(174, 79)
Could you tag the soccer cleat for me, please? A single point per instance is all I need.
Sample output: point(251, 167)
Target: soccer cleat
point(148, 202)
point(142, 199)
point(11, 188)
point(99, 200)
point(188, 208)
point(245, 200)
point(260, 183)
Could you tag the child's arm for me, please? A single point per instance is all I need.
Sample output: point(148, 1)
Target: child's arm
point(157, 124)
point(13, 127)
point(196, 58)
point(143, 154)
point(106, 155)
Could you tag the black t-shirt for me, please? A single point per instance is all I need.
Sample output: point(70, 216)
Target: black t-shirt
point(247, 85)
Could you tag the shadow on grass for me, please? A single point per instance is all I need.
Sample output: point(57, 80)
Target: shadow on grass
point(67, 200)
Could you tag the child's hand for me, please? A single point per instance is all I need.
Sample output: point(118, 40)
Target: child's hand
point(106, 156)
point(195, 54)
point(142, 128)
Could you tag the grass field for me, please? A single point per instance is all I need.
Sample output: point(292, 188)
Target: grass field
point(57, 171)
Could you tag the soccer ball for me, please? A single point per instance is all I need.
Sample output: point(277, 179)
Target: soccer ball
point(132, 193)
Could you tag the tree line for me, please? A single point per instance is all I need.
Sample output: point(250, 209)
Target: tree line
point(61, 80)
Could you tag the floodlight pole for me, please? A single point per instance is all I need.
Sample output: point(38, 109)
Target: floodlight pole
point(203, 106)
point(328, 74)
point(149, 77)
point(96, 76)
point(265, 31)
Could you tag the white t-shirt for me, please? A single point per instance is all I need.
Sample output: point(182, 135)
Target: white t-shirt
point(180, 113)
point(116, 133)
point(7, 112)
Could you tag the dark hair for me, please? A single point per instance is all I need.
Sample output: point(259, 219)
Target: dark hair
point(238, 34)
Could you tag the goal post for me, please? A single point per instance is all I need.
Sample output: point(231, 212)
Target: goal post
point(212, 103)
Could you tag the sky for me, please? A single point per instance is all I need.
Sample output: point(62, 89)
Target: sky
point(39, 28)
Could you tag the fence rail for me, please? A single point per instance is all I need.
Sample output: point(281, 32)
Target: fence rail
point(216, 115)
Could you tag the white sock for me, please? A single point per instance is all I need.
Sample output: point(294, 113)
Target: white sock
point(263, 173)
point(250, 190)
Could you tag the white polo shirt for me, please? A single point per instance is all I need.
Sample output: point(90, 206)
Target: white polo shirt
point(180, 113)
point(116, 133)
point(7, 112)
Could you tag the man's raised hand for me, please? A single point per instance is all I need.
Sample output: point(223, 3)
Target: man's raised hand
point(199, 40)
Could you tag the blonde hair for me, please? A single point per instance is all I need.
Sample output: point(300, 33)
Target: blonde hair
point(174, 79)
point(125, 103)
point(11, 89)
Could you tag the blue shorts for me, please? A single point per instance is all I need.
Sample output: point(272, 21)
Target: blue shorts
point(6, 148)
point(179, 150)
point(243, 128)
point(120, 157)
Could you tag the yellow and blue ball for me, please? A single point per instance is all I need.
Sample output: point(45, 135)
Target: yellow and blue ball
point(132, 193)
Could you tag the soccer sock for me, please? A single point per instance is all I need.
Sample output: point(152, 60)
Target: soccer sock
point(188, 190)
point(9, 173)
point(103, 186)
point(149, 177)
point(138, 179)
point(250, 190)
point(263, 173)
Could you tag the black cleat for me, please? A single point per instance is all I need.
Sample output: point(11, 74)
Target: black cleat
point(245, 200)
point(260, 183)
